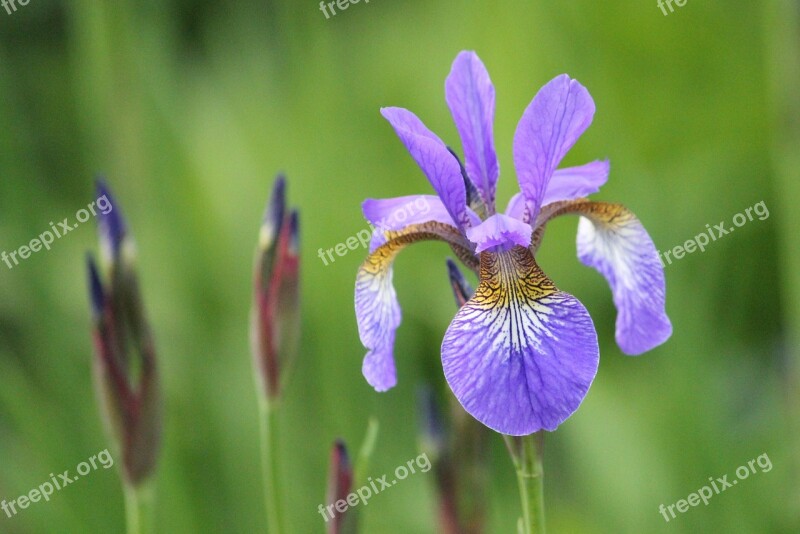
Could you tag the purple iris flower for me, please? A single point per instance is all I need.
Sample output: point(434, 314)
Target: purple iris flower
point(520, 355)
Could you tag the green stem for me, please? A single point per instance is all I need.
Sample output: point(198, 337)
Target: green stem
point(526, 453)
point(269, 463)
point(138, 507)
point(364, 454)
point(782, 26)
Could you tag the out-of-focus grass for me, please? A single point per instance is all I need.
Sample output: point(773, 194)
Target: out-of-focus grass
point(191, 107)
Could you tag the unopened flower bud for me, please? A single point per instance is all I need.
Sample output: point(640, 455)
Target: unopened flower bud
point(340, 484)
point(125, 370)
point(275, 324)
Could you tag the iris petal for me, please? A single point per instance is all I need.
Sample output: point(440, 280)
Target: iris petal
point(470, 96)
point(576, 182)
point(570, 183)
point(378, 367)
point(500, 232)
point(432, 156)
point(399, 212)
point(377, 309)
point(559, 113)
point(520, 355)
point(613, 241)
point(394, 214)
point(516, 207)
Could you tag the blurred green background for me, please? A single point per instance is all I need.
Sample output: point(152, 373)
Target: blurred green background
point(191, 107)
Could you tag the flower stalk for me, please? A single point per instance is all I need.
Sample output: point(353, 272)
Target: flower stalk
point(138, 508)
point(527, 453)
point(270, 465)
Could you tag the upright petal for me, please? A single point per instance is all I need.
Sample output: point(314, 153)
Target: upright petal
point(613, 241)
point(377, 309)
point(576, 182)
point(520, 355)
point(432, 156)
point(470, 96)
point(516, 207)
point(553, 121)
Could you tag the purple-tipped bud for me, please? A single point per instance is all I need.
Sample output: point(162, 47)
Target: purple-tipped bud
point(462, 291)
point(340, 484)
point(457, 446)
point(275, 322)
point(125, 364)
point(436, 442)
point(96, 295)
point(110, 224)
point(474, 200)
point(293, 246)
point(433, 434)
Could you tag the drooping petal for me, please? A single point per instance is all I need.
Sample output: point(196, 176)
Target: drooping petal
point(433, 157)
point(470, 96)
point(613, 241)
point(553, 121)
point(520, 355)
point(500, 232)
point(576, 182)
point(377, 309)
point(378, 366)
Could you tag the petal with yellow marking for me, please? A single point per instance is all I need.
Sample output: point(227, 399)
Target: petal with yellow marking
point(377, 309)
point(520, 355)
